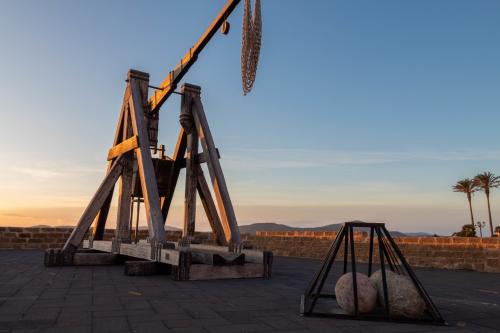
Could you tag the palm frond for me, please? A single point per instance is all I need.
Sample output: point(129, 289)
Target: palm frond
point(466, 185)
point(487, 180)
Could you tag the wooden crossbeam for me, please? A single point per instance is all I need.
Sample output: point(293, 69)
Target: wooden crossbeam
point(200, 158)
point(123, 147)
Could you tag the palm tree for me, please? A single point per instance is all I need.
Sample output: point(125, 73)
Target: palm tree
point(486, 181)
point(467, 186)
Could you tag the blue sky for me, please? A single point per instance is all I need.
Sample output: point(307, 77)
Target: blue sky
point(361, 109)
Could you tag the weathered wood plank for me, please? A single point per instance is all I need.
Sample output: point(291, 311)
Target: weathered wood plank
point(228, 217)
point(93, 259)
point(191, 184)
point(208, 272)
point(123, 147)
point(146, 170)
point(100, 245)
point(217, 258)
point(170, 257)
point(122, 231)
point(94, 206)
point(139, 250)
point(210, 209)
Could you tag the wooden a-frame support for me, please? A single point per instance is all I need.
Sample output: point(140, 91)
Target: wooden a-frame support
point(131, 157)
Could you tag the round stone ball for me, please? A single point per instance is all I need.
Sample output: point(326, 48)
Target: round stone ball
point(404, 299)
point(367, 293)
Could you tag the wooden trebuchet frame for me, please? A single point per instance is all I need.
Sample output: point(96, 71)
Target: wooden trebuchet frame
point(147, 176)
point(131, 161)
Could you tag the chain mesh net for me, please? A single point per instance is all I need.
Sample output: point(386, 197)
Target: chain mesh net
point(251, 43)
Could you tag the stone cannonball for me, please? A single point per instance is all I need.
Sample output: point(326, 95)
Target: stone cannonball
point(367, 293)
point(404, 299)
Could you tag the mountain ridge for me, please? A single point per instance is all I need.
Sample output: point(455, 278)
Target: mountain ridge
point(271, 226)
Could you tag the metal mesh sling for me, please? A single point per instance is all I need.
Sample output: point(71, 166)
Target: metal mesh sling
point(251, 43)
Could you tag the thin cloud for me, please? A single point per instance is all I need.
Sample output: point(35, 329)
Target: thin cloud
point(44, 173)
point(302, 158)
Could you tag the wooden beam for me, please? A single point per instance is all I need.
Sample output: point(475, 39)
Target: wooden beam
point(210, 209)
point(100, 221)
point(208, 272)
point(169, 84)
point(122, 231)
point(179, 163)
point(191, 183)
point(217, 258)
point(146, 171)
point(200, 158)
point(123, 147)
point(94, 206)
point(123, 219)
point(228, 217)
point(93, 259)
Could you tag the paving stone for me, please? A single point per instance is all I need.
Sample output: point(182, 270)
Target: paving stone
point(111, 324)
point(148, 327)
point(97, 299)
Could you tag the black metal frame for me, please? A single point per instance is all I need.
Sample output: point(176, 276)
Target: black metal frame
point(389, 254)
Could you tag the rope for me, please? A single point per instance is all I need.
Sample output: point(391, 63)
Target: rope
point(251, 44)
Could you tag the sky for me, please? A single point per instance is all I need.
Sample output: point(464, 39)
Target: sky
point(361, 110)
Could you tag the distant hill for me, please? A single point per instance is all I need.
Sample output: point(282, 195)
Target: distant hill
point(254, 227)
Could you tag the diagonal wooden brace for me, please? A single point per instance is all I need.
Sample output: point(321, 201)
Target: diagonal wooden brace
point(93, 207)
point(228, 217)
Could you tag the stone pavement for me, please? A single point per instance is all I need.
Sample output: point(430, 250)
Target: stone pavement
point(34, 298)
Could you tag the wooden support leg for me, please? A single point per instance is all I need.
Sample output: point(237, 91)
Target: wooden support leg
point(122, 232)
point(146, 170)
point(100, 221)
point(226, 209)
point(178, 157)
point(65, 256)
point(191, 182)
point(210, 209)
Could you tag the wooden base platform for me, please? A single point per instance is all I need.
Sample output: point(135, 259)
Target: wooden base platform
point(193, 262)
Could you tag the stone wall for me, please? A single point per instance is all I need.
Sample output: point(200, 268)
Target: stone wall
point(44, 238)
point(437, 252)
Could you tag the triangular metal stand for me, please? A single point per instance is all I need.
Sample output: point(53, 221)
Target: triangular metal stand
point(317, 302)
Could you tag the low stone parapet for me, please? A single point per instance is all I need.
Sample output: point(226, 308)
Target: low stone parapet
point(470, 253)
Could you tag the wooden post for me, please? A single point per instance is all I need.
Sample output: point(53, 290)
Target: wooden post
point(138, 81)
point(178, 157)
point(210, 209)
point(122, 231)
point(191, 183)
point(123, 220)
point(226, 209)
